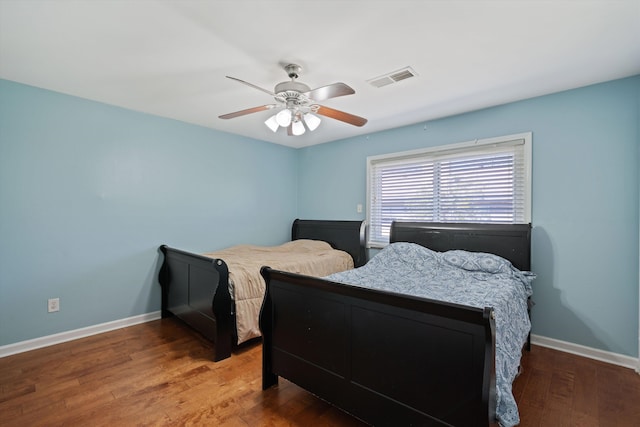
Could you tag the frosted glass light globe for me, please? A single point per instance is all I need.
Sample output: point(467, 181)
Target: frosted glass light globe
point(272, 123)
point(297, 128)
point(312, 121)
point(284, 118)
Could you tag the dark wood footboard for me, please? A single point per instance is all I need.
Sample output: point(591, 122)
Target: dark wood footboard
point(195, 289)
point(385, 358)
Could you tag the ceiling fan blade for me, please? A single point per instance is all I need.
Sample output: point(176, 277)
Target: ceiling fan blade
point(341, 115)
point(330, 91)
point(252, 85)
point(247, 111)
point(290, 129)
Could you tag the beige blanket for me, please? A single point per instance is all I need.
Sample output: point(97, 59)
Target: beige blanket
point(246, 285)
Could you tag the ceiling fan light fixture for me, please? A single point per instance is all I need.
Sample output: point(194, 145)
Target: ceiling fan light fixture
point(284, 117)
point(296, 101)
point(312, 121)
point(272, 123)
point(297, 128)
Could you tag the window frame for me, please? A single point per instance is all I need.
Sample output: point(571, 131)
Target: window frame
point(462, 148)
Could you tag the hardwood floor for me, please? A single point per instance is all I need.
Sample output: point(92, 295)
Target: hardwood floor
point(161, 373)
point(559, 389)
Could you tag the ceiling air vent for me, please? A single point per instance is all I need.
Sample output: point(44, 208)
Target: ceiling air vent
point(392, 77)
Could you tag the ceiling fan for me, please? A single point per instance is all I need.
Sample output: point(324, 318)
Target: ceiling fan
point(300, 109)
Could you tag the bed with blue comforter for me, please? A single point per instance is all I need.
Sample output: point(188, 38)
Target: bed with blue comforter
point(429, 332)
point(461, 277)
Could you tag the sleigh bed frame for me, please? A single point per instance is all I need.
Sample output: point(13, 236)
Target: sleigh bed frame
point(195, 288)
point(391, 359)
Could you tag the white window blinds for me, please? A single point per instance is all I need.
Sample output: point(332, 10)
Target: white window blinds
point(480, 181)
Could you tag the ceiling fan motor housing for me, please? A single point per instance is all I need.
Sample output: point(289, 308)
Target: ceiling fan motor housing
point(292, 92)
point(291, 86)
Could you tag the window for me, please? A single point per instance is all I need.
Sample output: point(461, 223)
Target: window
point(485, 180)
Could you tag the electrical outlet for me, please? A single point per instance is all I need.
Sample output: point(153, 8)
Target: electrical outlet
point(359, 208)
point(53, 305)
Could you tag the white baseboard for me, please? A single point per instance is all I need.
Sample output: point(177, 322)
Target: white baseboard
point(577, 349)
point(20, 347)
point(584, 351)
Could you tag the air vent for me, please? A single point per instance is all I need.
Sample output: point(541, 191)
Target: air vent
point(392, 77)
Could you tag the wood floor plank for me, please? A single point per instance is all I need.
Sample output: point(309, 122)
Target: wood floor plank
point(16, 389)
point(530, 416)
point(560, 393)
point(161, 373)
point(585, 395)
point(537, 388)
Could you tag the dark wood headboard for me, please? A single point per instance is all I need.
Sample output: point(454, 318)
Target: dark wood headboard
point(348, 236)
point(510, 241)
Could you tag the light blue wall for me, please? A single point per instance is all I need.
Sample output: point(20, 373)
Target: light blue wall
point(585, 200)
point(89, 191)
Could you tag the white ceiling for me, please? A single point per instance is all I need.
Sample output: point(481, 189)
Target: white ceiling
point(170, 58)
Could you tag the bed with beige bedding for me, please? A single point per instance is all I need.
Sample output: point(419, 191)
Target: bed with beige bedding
point(219, 294)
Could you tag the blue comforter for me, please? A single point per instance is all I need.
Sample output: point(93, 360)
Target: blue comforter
point(473, 279)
